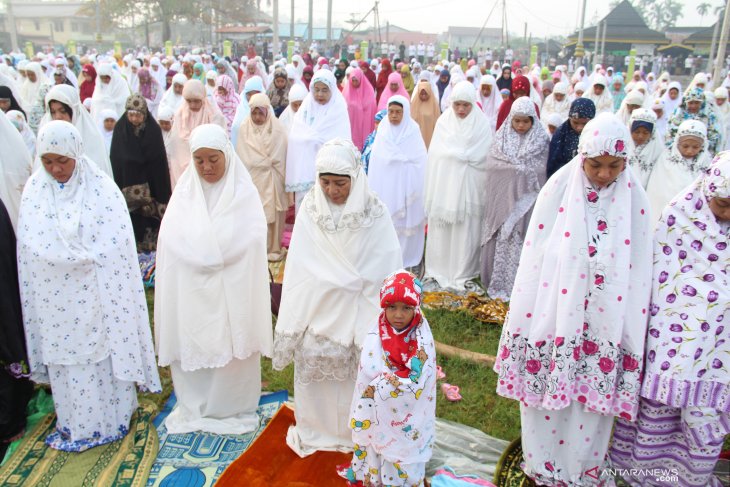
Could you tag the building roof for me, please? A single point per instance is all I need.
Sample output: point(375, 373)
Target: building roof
point(473, 31)
point(47, 9)
point(244, 29)
point(624, 25)
point(703, 36)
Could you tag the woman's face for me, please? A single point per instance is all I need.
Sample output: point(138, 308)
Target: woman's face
point(221, 69)
point(486, 91)
point(135, 117)
point(617, 86)
point(659, 113)
point(31, 76)
point(640, 136)
point(720, 207)
point(280, 83)
point(58, 112)
point(165, 125)
point(689, 146)
point(194, 104)
point(336, 188)
point(631, 107)
point(673, 93)
point(395, 114)
point(251, 69)
point(222, 91)
point(521, 124)
point(105, 79)
point(558, 96)
point(322, 93)
point(197, 72)
point(177, 88)
point(250, 94)
point(295, 105)
point(87, 76)
point(603, 170)
point(506, 74)
point(211, 82)
point(462, 109)
point(579, 93)
point(5, 104)
point(307, 75)
point(720, 101)
point(258, 115)
point(578, 124)
point(693, 106)
point(210, 164)
point(598, 90)
point(444, 78)
point(109, 124)
point(61, 168)
point(546, 92)
point(393, 87)
point(423, 95)
point(355, 82)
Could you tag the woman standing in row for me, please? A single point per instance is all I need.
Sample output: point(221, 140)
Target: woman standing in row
point(76, 245)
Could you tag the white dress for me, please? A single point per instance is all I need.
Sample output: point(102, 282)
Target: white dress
point(84, 308)
point(338, 258)
point(212, 305)
point(455, 196)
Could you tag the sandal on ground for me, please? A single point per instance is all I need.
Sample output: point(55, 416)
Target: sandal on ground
point(440, 373)
point(451, 392)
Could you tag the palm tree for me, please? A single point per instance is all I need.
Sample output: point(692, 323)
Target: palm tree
point(702, 9)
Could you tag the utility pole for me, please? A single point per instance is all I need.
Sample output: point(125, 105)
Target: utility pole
point(579, 47)
point(309, 22)
point(291, 24)
point(98, 27)
point(13, 28)
point(603, 43)
point(329, 23)
point(713, 46)
point(720, 60)
point(276, 47)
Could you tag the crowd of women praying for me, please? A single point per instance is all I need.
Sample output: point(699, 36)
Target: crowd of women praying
point(597, 204)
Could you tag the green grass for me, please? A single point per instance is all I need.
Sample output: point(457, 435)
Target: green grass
point(480, 407)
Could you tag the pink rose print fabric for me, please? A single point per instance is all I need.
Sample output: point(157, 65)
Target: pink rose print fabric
point(573, 342)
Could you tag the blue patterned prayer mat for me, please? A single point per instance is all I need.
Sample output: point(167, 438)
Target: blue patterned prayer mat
point(198, 459)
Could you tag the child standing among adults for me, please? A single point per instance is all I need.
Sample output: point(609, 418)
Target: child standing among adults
point(394, 405)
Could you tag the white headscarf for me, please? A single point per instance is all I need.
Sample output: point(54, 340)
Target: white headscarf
point(91, 135)
point(161, 74)
point(604, 101)
point(456, 170)
point(296, 93)
point(30, 90)
point(16, 166)
point(552, 106)
point(113, 95)
point(77, 237)
point(584, 279)
point(212, 287)
point(171, 99)
point(397, 168)
point(335, 267)
point(19, 122)
point(634, 97)
point(314, 124)
point(645, 156)
point(673, 172)
point(490, 104)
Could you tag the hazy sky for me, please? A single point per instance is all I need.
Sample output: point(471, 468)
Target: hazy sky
point(543, 17)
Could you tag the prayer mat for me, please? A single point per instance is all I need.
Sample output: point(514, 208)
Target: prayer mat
point(123, 463)
point(482, 308)
point(509, 472)
point(198, 459)
point(271, 463)
point(147, 266)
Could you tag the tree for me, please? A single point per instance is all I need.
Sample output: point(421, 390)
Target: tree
point(120, 13)
point(702, 9)
point(658, 14)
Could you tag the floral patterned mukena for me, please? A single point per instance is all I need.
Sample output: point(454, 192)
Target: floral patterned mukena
point(688, 361)
point(572, 347)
